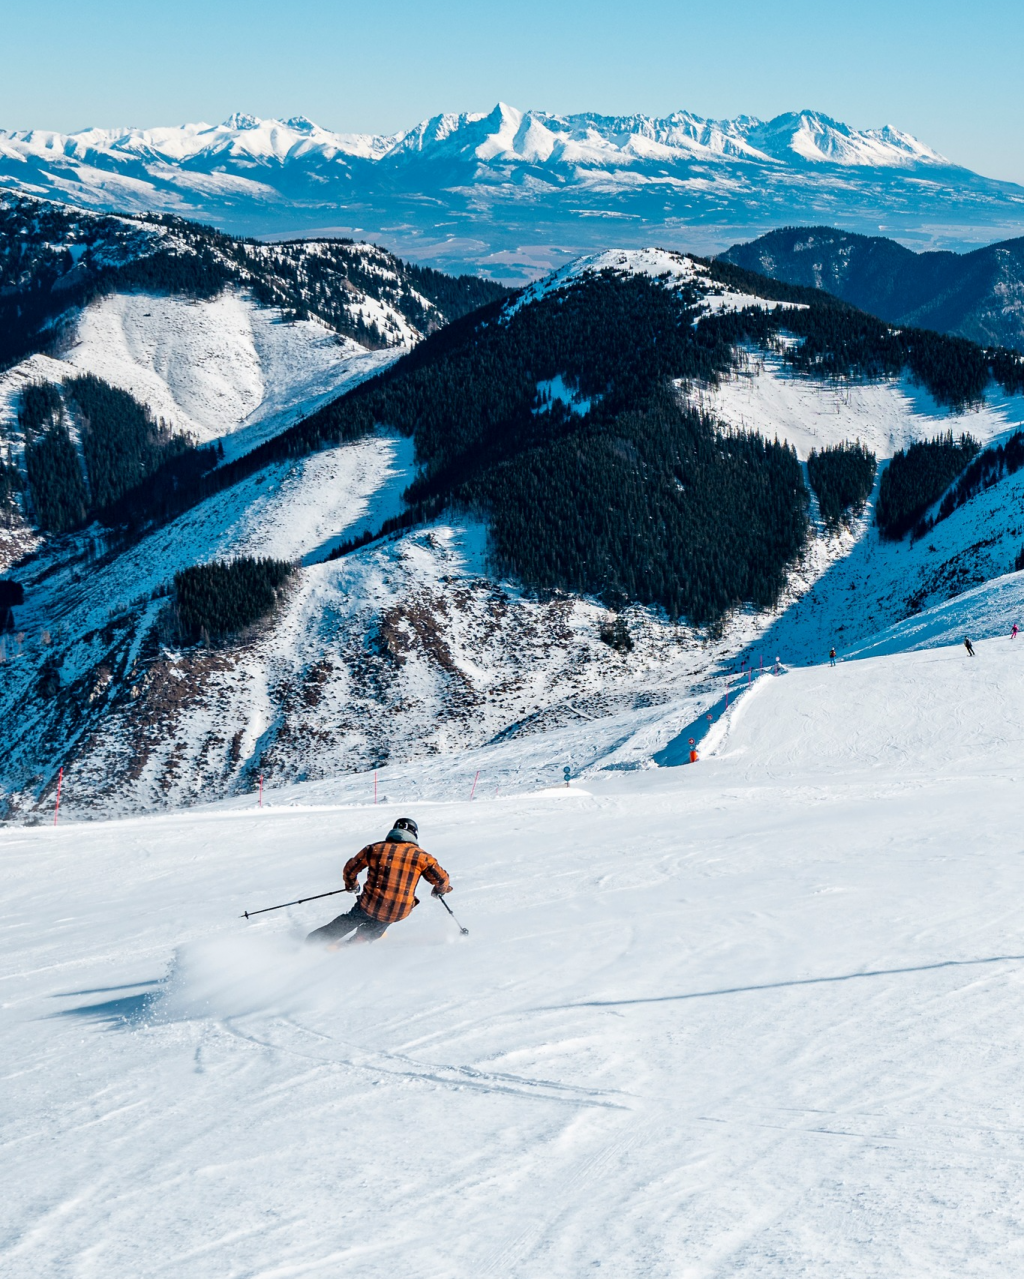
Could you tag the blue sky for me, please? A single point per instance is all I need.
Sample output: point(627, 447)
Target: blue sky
point(948, 73)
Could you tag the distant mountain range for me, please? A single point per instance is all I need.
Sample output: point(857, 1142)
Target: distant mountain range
point(511, 194)
point(978, 295)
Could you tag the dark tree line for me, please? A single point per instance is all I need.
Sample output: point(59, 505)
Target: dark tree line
point(12, 595)
point(215, 601)
point(319, 277)
point(121, 441)
point(11, 487)
point(126, 453)
point(52, 468)
point(838, 342)
point(918, 476)
point(654, 506)
point(639, 498)
point(986, 470)
point(842, 476)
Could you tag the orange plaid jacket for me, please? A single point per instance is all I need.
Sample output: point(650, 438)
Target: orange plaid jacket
point(393, 873)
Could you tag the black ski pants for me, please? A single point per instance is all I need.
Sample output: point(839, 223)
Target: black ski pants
point(366, 928)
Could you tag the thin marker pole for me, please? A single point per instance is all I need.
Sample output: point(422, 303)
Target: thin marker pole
point(261, 790)
point(475, 780)
point(60, 780)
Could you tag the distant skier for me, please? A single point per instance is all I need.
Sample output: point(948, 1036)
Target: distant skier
point(393, 867)
point(1013, 632)
point(831, 657)
point(968, 645)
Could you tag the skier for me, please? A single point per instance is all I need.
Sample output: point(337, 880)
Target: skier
point(968, 645)
point(393, 867)
point(831, 657)
point(1013, 633)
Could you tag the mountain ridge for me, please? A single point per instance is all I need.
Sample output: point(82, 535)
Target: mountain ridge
point(977, 295)
point(512, 194)
point(792, 131)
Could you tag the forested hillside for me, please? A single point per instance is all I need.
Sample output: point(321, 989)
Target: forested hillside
point(977, 295)
point(122, 453)
point(616, 486)
point(561, 421)
point(54, 258)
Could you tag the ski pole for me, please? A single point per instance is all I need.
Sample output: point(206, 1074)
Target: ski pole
point(334, 891)
point(463, 931)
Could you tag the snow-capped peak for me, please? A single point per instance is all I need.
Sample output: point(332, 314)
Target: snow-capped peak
point(509, 134)
point(812, 136)
point(673, 269)
point(242, 120)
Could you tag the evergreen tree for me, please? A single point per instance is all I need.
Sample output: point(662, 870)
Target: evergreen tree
point(59, 498)
point(916, 477)
point(215, 601)
point(842, 476)
point(122, 443)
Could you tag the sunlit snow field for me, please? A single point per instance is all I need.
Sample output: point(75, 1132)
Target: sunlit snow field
point(760, 1016)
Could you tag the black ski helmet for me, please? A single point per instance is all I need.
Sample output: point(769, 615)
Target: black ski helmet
point(406, 825)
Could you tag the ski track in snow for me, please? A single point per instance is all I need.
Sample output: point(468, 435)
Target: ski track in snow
point(755, 1017)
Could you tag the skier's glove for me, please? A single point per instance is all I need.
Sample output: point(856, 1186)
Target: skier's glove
point(439, 891)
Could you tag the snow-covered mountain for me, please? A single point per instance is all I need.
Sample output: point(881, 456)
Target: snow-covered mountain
point(415, 645)
point(54, 260)
point(515, 193)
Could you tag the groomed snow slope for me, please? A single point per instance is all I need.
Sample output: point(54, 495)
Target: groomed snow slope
point(757, 1017)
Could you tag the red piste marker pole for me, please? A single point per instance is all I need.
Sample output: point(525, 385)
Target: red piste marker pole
point(60, 780)
point(475, 780)
point(261, 790)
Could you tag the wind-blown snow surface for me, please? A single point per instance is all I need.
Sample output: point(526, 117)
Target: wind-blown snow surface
point(754, 1017)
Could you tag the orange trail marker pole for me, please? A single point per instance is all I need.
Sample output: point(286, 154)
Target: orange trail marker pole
point(60, 780)
point(475, 780)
